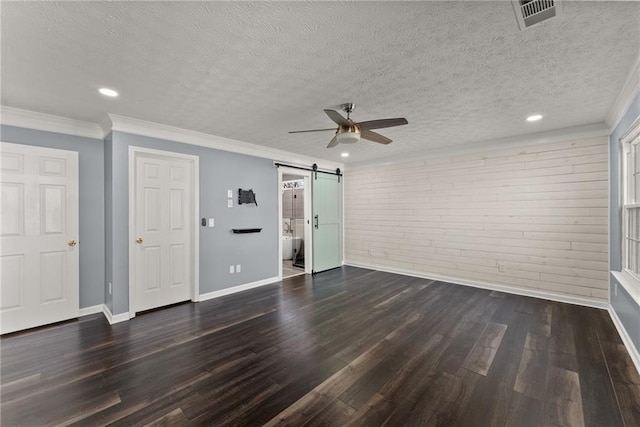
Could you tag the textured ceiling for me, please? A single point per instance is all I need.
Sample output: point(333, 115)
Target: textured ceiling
point(460, 72)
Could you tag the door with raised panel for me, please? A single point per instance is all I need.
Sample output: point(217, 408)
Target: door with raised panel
point(39, 262)
point(327, 222)
point(163, 213)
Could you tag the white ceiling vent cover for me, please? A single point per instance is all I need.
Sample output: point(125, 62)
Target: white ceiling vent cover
point(531, 12)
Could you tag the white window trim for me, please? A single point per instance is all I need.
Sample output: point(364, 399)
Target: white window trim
point(629, 280)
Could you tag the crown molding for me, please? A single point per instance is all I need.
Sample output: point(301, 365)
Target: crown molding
point(106, 125)
point(47, 122)
point(557, 135)
point(630, 90)
point(171, 133)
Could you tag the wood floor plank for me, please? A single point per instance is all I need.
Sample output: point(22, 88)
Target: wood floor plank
point(348, 346)
point(481, 356)
point(532, 371)
point(373, 413)
point(524, 411)
point(320, 397)
point(336, 414)
point(563, 398)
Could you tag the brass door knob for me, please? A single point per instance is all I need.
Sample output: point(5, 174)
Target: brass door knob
point(139, 240)
point(72, 243)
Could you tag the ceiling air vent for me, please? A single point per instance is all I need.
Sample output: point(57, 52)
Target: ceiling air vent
point(531, 12)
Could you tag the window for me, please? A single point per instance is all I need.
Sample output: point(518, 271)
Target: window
point(631, 203)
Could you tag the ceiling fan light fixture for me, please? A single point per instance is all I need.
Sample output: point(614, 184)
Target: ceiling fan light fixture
point(348, 136)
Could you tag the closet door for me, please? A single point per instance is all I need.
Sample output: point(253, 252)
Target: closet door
point(39, 260)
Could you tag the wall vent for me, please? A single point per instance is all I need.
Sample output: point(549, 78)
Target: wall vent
point(531, 12)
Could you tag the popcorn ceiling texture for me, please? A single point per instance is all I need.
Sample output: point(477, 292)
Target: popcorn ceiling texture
point(460, 72)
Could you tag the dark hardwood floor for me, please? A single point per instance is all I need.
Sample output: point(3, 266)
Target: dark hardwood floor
point(346, 347)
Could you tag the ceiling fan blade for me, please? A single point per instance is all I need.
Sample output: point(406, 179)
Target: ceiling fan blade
point(311, 130)
point(337, 117)
point(333, 142)
point(383, 123)
point(372, 136)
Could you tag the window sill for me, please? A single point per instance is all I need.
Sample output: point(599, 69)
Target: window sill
point(629, 283)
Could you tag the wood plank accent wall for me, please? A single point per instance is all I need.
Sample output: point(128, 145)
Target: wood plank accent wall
point(532, 218)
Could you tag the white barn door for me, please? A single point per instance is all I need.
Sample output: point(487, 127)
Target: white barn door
point(39, 261)
point(163, 216)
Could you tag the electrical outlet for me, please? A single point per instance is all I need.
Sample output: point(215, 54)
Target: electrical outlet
point(211, 222)
point(238, 268)
point(501, 268)
point(230, 203)
point(230, 194)
point(232, 269)
point(110, 290)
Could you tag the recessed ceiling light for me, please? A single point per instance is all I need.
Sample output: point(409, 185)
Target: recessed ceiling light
point(345, 154)
point(534, 118)
point(108, 92)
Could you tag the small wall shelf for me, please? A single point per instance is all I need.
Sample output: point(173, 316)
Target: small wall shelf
point(246, 230)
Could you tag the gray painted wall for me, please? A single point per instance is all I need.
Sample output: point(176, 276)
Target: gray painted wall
point(91, 187)
point(219, 248)
point(625, 307)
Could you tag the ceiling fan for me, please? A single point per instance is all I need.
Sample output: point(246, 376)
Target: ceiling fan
point(349, 131)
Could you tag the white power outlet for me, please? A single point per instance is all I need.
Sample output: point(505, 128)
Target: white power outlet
point(501, 268)
point(232, 269)
point(110, 290)
point(230, 194)
point(238, 268)
point(230, 203)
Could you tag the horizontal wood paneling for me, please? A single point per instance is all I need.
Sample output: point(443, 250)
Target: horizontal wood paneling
point(531, 218)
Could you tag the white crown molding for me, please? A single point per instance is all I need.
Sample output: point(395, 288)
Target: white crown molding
point(630, 90)
point(557, 135)
point(485, 285)
point(239, 288)
point(106, 125)
point(40, 121)
point(171, 133)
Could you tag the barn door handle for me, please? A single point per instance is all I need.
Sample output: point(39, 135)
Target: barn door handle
point(316, 218)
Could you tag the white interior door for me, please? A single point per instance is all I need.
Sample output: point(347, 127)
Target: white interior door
point(39, 261)
point(163, 221)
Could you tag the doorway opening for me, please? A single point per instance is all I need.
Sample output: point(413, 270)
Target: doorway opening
point(295, 232)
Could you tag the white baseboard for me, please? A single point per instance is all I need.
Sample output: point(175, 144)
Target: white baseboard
point(240, 288)
point(94, 309)
point(626, 339)
point(111, 318)
point(476, 284)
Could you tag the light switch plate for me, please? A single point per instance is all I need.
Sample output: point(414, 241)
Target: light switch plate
point(211, 222)
point(231, 269)
point(230, 194)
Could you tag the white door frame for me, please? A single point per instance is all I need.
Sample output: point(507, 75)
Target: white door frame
point(308, 236)
point(134, 152)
